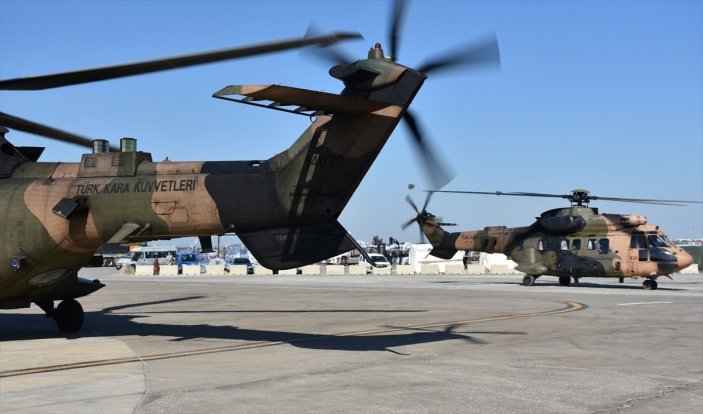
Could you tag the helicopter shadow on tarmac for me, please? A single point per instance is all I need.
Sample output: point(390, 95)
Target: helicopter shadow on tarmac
point(109, 323)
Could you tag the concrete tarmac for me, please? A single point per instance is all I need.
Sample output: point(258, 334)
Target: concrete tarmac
point(361, 344)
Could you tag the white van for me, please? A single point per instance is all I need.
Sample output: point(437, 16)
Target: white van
point(379, 260)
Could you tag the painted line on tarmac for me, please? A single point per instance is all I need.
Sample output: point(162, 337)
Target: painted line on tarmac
point(642, 303)
point(570, 307)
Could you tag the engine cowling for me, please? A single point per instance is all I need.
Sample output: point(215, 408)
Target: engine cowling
point(631, 220)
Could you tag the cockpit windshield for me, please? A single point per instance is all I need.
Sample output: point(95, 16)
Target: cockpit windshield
point(656, 240)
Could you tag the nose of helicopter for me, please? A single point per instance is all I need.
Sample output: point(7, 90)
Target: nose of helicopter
point(683, 259)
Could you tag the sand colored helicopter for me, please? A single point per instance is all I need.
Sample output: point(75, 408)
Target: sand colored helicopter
point(570, 243)
point(285, 209)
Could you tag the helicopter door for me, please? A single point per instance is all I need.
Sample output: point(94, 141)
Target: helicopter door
point(638, 251)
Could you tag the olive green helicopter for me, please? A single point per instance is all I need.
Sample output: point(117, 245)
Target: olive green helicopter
point(285, 209)
point(570, 242)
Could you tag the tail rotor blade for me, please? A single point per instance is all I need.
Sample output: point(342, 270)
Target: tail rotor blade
point(412, 203)
point(427, 200)
point(397, 17)
point(333, 55)
point(483, 52)
point(438, 174)
point(408, 223)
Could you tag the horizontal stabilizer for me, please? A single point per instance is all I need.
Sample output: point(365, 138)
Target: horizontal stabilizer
point(290, 247)
point(302, 101)
point(445, 254)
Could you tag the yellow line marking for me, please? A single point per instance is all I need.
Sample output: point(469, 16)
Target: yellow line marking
point(570, 307)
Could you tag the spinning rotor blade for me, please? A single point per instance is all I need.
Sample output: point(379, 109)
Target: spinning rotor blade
point(483, 52)
point(439, 175)
point(20, 124)
point(395, 26)
point(408, 223)
point(332, 55)
point(412, 204)
point(500, 193)
point(645, 200)
point(130, 69)
point(577, 198)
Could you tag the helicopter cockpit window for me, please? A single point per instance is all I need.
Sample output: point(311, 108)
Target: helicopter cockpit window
point(603, 246)
point(576, 244)
point(591, 245)
point(656, 241)
point(637, 241)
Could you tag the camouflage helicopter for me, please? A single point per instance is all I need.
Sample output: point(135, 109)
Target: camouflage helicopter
point(285, 209)
point(571, 242)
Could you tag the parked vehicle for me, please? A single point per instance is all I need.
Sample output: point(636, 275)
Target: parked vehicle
point(187, 257)
point(235, 261)
point(125, 260)
point(378, 259)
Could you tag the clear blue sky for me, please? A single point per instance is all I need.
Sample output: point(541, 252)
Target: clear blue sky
point(601, 95)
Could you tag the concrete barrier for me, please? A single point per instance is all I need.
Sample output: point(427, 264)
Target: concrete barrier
point(293, 271)
point(475, 269)
point(260, 270)
point(429, 269)
point(691, 270)
point(381, 270)
point(454, 269)
point(215, 270)
point(144, 270)
point(356, 270)
point(335, 269)
point(405, 270)
point(169, 270)
point(191, 270)
point(311, 270)
point(499, 269)
point(238, 270)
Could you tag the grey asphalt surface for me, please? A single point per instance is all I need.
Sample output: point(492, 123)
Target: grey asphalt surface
point(362, 344)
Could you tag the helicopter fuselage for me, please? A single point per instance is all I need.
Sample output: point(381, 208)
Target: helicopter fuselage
point(284, 209)
point(574, 242)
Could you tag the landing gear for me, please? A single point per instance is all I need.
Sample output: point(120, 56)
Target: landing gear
point(68, 315)
point(529, 280)
point(649, 284)
point(564, 280)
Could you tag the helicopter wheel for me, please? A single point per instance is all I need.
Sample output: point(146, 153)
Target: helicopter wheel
point(564, 280)
point(69, 316)
point(529, 280)
point(649, 284)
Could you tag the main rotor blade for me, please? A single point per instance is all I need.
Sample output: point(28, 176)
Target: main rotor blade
point(645, 200)
point(395, 27)
point(138, 68)
point(499, 193)
point(483, 52)
point(20, 124)
point(438, 173)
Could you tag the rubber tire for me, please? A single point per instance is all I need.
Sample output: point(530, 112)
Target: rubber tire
point(564, 280)
point(528, 280)
point(69, 316)
point(654, 285)
point(648, 284)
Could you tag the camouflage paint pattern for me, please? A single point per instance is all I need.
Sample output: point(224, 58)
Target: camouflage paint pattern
point(285, 209)
point(576, 242)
